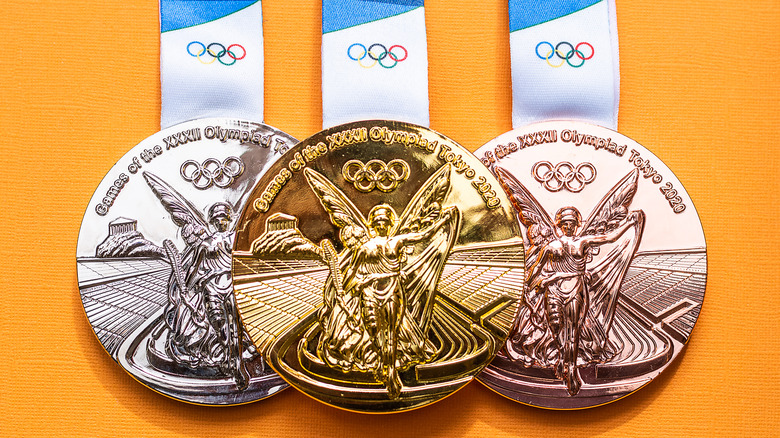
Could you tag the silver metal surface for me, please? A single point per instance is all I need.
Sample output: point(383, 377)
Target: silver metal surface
point(154, 259)
point(616, 265)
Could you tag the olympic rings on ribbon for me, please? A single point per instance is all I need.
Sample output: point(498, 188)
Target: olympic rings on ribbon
point(564, 175)
point(375, 174)
point(230, 52)
point(573, 51)
point(212, 172)
point(381, 57)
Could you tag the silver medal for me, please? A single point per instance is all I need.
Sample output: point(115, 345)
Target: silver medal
point(154, 260)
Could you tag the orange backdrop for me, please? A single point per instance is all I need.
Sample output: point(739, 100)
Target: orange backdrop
point(80, 86)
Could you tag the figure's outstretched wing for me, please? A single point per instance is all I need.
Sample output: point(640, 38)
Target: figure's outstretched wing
point(531, 339)
point(342, 212)
point(606, 275)
point(613, 208)
point(185, 215)
point(426, 203)
point(345, 343)
point(538, 224)
point(424, 262)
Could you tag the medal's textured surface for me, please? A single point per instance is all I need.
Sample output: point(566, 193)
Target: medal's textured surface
point(616, 265)
point(385, 259)
point(154, 260)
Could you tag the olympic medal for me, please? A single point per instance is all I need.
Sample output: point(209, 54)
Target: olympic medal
point(616, 265)
point(382, 258)
point(153, 260)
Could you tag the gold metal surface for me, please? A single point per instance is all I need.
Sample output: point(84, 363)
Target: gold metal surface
point(378, 266)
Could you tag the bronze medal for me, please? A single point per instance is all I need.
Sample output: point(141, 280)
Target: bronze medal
point(616, 265)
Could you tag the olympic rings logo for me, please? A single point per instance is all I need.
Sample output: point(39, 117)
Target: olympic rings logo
point(212, 172)
point(376, 174)
point(564, 175)
point(376, 57)
point(207, 55)
point(573, 52)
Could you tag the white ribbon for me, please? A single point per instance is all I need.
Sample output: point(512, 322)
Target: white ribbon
point(374, 61)
point(211, 59)
point(565, 62)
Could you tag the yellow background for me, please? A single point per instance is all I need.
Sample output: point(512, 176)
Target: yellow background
point(79, 86)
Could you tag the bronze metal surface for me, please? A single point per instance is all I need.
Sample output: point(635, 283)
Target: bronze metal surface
point(616, 265)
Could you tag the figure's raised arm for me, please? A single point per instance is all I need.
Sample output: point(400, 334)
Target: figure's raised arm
point(411, 238)
point(600, 239)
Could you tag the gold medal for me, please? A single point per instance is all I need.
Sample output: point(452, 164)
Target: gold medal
point(377, 266)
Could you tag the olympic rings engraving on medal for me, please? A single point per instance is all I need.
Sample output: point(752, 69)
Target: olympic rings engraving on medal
point(564, 175)
point(376, 174)
point(216, 52)
point(212, 172)
point(373, 53)
point(572, 52)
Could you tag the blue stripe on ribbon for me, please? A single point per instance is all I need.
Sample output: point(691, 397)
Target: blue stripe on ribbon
point(341, 14)
point(527, 13)
point(178, 14)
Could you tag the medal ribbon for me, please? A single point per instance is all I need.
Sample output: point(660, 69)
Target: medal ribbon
point(211, 59)
point(565, 62)
point(374, 61)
